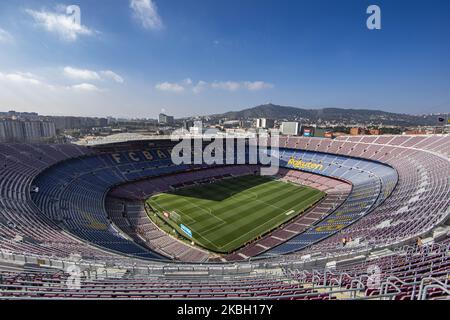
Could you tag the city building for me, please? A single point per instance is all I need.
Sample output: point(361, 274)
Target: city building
point(13, 130)
point(231, 124)
point(197, 128)
point(290, 128)
point(32, 130)
point(356, 131)
point(187, 124)
point(64, 123)
point(245, 124)
point(375, 132)
point(264, 123)
point(165, 119)
point(48, 129)
point(26, 131)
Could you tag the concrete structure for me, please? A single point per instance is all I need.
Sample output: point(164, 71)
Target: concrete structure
point(264, 123)
point(375, 132)
point(290, 128)
point(64, 123)
point(32, 130)
point(187, 125)
point(26, 131)
point(165, 119)
point(48, 129)
point(356, 131)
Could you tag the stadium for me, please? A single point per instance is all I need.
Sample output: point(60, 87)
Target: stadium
point(356, 217)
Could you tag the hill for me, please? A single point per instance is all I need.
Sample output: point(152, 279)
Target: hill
point(337, 115)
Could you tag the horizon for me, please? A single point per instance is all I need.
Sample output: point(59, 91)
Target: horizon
point(138, 58)
point(155, 117)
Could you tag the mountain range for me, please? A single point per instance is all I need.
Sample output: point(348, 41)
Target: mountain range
point(330, 115)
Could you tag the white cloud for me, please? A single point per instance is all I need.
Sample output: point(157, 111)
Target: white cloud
point(27, 91)
point(32, 85)
point(85, 87)
point(5, 36)
point(29, 80)
point(20, 78)
point(200, 87)
point(169, 87)
point(81, 74)
point(112, 75)
point(257, 85)
point(187, 81)
point(146, 12)
point(227, 85)
point(90, 75)
point(248, 85)
point(60, 23)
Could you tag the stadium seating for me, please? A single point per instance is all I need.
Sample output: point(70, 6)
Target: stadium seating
point(411, 273)
point(57, 201)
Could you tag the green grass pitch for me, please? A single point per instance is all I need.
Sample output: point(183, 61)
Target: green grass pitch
point(225, 215)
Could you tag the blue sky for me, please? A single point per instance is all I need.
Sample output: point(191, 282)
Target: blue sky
point(134, 58)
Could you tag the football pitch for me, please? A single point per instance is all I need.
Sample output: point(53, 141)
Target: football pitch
point(225, 215)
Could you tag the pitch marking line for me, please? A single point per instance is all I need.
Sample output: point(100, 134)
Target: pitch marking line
point(185, 215)
point(213, 227)
point(208, 211)
point(245, 234)
point(256, 198)
point(188, 217)
point(198, 233)
point(259, 226)
point(236, 194)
